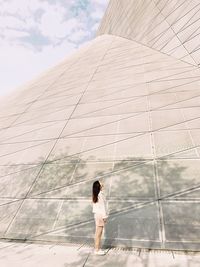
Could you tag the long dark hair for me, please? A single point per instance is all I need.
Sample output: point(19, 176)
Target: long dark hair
point(95, 191)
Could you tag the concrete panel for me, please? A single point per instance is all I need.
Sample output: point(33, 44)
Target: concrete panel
point(8, 209)
point(91, 170)
point(155, 24)
point(17, 184)
point(87, 127)
point(40, 131)
point(132, 223)
point(67, 148)
point(34, 217)
point(134, 123)
point(134, 146)
point(73, 213)
point(136, 182)
point(53, 176)
point(181, 221)
point(177, 176)
point(25, 153)
point(166, 118)
point(167, 143)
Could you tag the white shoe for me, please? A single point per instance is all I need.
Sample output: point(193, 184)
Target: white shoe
point(99, 252)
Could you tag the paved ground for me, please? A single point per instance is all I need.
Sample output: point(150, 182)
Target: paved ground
point(33, 255)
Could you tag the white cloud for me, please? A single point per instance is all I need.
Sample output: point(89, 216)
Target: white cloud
point(52, 24)
point(100, 2)
point(97, 14)
point(95, 27)
point(37, 34)
point(13, 34)
point(23, 64)
point(78, 35)
point(10, 21)
point(24, 8)
point(98, 9)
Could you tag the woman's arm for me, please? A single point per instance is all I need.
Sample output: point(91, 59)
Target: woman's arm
point(102, 204)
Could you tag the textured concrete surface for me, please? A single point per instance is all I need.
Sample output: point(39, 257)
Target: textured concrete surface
point(171, 27)
point(31, 255)
point(118, 111)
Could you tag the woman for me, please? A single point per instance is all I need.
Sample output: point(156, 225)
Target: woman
point(100, 214)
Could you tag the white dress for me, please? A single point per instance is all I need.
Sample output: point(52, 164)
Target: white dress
point(100, 207)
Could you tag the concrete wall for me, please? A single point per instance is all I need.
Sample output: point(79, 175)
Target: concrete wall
point(116, 111)
point(171, 27)
point(124, 110)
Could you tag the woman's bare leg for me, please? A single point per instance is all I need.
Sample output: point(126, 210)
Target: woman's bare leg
point(98, 234)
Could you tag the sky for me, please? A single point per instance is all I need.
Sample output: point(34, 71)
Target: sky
point(37, 34)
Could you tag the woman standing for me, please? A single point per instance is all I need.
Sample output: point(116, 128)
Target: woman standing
point(100, 214)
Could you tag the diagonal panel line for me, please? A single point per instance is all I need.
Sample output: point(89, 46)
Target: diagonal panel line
point(128, 138)
point(117, 213)
point(127, 101)
point(59, 120)
point(31, 131)
point(156, 177)
point(132, 116)
point(157, 37)
point(180, 40)
point(177, 20)
point(150, 29)
point(10, 223)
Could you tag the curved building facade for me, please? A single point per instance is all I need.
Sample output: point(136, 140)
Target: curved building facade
point(124, 110)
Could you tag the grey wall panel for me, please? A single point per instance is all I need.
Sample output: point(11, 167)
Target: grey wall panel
point(171, 27)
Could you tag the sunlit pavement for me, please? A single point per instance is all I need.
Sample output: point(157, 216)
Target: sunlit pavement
point(48, 255)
